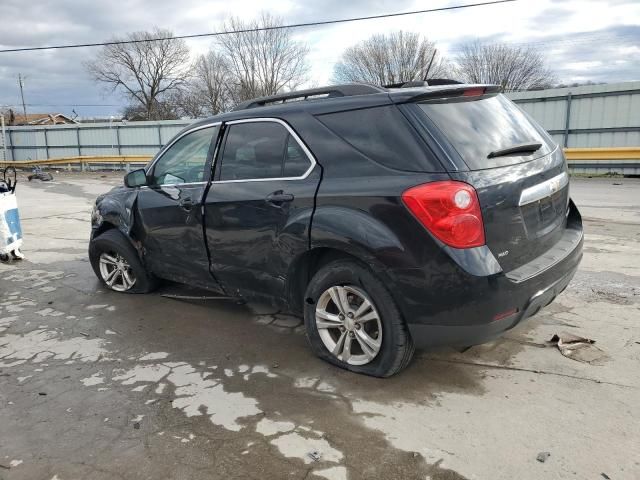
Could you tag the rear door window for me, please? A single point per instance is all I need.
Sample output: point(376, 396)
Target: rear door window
point(475, 127)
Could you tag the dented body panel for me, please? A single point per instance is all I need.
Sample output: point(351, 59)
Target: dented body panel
point(115, 209)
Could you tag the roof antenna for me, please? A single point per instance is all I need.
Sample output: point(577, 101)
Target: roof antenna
point(430, 63)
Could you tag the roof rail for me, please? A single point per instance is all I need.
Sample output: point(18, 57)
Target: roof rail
point(346, 90)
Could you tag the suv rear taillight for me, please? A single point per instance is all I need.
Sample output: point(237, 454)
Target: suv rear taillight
point(449, 210)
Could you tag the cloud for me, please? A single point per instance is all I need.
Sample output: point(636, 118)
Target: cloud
point(572, 32)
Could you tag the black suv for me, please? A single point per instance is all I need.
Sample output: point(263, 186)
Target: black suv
point(388, 217)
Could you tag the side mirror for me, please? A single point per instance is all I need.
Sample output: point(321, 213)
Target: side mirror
point(135, 178)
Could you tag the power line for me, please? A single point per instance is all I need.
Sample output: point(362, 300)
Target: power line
point(62, 105)
point(278, 27)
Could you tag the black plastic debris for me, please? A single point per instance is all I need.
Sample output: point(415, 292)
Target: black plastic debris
point(38, 174)
point(314, 455)
point(542, 456)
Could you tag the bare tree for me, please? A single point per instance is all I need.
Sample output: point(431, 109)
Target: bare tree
point(186, 103)
point(515, 68)
point(162, 110)
point(262, 62)
point(211, 82)
point(145, 70)
point(393, 58)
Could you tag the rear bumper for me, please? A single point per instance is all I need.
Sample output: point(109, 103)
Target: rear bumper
point(425, 335)
point(453, 307)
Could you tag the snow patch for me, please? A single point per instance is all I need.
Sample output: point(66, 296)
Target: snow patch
point(95, 379)
point(294, 445)
point(154, 356)
point(268, 427)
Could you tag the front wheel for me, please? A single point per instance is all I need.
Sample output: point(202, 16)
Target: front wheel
point(117, 265)
point(353, 322)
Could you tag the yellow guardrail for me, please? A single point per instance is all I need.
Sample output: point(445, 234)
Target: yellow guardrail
point(618, 153)
point(594, 154)
point(87, 160)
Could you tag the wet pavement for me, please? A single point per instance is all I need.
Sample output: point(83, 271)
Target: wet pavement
point(100, 385)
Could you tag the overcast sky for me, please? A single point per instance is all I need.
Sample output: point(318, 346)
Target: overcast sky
point(597, 40)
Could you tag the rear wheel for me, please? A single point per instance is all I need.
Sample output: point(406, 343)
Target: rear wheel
point(353, 322)
point(117, 265)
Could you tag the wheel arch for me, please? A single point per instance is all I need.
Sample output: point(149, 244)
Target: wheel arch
point(304, 267)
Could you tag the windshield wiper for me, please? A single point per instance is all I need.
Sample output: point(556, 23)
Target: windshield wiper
point(520, 148)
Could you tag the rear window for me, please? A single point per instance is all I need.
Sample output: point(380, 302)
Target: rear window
point(383, 135)
point(477, 127)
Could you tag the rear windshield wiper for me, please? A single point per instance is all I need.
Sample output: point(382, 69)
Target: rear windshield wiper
point(520, 148)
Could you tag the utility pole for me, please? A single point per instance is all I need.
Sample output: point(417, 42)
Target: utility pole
point(24, 106)
point(4, 139)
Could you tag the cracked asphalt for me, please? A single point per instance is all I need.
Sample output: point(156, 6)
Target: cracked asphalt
point(100, 385)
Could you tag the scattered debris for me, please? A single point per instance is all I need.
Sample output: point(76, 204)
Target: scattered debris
point(38, 174)
point(542, 456)
point(314, 455)
point(578, 348)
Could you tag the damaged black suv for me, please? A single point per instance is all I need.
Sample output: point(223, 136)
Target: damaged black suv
point(388, 217)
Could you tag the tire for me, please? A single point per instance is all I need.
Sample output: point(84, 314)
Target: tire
point(358, 283)
point(115, 245)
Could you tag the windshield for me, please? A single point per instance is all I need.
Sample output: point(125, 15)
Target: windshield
point(479, 127)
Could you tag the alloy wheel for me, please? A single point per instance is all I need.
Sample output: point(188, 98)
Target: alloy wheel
point(116, 272)
point(349, 324)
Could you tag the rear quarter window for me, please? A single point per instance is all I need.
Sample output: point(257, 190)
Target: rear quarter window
point(383, 135)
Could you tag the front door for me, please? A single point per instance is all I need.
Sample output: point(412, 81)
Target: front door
point(170, 209)
point(258, 209)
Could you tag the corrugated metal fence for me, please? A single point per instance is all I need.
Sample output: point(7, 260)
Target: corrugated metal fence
point(605, 116)
point(89, 139)
point(589, 116)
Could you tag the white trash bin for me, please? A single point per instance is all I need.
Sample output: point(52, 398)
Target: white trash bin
point(10, 229)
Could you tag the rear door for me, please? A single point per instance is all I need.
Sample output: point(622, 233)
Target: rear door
point(258, 209)
point(518, 171)
point(170, 209)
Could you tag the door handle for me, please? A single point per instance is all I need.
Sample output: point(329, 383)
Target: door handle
point(186, 203)
point(278, 198)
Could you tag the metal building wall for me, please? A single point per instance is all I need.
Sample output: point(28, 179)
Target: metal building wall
point(588, 116)
point(117, 138)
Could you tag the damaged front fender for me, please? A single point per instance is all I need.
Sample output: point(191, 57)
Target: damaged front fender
point(114, 209)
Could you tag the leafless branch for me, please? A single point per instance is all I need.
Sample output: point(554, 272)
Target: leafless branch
point(514, 68)
point(386, 59)
point(261, 62)
point(143, 71)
